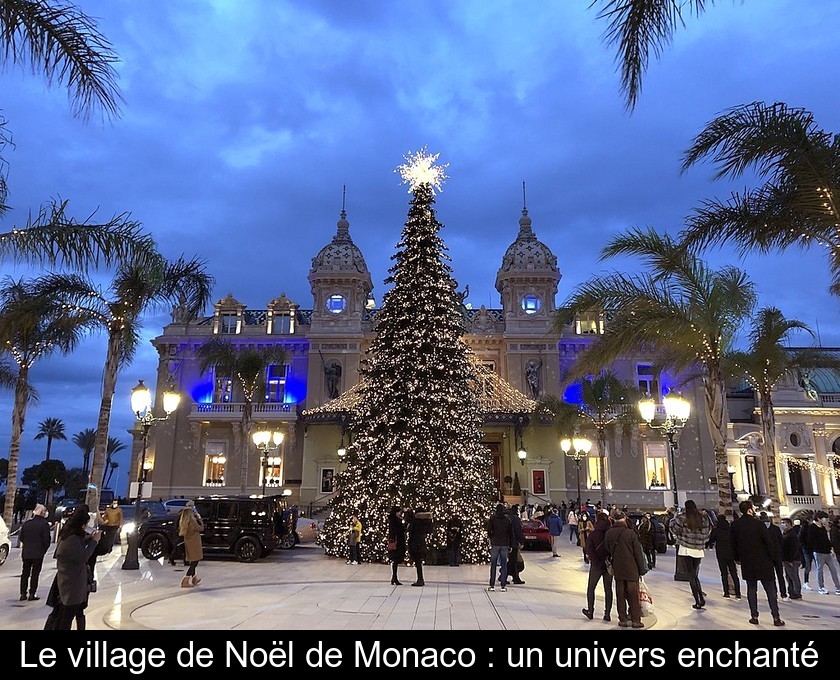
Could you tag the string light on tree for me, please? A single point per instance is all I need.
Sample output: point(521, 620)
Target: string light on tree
point(417, 425)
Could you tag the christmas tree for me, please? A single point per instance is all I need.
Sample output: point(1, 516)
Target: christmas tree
point(417, 437)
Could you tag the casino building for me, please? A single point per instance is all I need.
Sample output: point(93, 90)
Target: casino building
point(199, 449)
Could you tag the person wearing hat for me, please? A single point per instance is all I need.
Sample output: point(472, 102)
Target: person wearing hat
point(190, 527)
point(34, 540)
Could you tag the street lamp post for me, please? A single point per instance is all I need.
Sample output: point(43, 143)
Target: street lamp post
point(577, 449)
point(677, 410)
point(266, 441)
point(141, 405)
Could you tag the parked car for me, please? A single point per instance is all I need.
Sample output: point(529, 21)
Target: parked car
point(661, 538)
point(5, 542)
point(535, 535)
point(248, 527)
point(64, 508)
point(175, 505)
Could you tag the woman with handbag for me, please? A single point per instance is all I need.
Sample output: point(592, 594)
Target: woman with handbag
point(396, 542)
point(691, 529)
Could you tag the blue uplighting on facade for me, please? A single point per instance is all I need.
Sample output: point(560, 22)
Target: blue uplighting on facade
point(295, 390)
point(573, 394)
point(202, 393)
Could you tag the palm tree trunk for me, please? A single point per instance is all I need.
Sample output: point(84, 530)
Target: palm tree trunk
point(18, 417)
point(715, 393)
point(49, 447)
point(246, 446)
point(100, 447)
point(602, 465)
point(768, 431)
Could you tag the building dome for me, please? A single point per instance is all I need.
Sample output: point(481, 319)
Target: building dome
point(340, 255)
point(527, 253)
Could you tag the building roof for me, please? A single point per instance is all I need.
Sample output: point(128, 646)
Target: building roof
point(497, 399)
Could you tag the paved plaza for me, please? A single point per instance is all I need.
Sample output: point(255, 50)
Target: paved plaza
point(302, 589)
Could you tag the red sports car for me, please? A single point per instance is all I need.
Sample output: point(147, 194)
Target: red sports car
point(535, 535)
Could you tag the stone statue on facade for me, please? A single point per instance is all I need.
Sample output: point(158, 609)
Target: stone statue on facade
point(332, 373)
point(532, 376)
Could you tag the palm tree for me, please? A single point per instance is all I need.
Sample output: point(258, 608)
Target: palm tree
point(798, 204)
point(32, 327)
point(112, 468)
point(639, 28)
point(51, 428)
point(763, 364)
point(137, 287)
point(605, 401)
point(248, 367)
point(683, 310)
point(85, 440)
point(114, 446)
point(67, 45)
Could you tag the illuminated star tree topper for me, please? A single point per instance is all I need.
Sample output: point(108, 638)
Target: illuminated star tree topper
point(420, 169)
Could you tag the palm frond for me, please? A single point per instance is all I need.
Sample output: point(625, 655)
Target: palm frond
point(768, 137)
point(66, 43)
point(639, 28)
point(55, 238)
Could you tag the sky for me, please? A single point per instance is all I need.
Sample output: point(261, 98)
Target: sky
point(244, 121)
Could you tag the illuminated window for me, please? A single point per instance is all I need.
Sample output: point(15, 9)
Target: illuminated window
point(647, 381)
point(273, 471)
point(275, 384)
point(215, 459)
point(834, 461)
point(656, 468)
point(336, 304)
point(222, 389)
point(593, 471)
point(531, 303)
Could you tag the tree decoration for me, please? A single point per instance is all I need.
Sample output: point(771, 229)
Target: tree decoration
point(418, 428)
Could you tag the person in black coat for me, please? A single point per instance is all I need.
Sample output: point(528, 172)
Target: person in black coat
point(776, 535)
point(721, 538)
point(791, 558)
point(418, 527)
point(396, 542)
point(752, 547)
point(500, 532)
point(454, 533)
point(34, 539)
point(516, 548)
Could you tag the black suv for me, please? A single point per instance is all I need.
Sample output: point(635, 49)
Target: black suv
point(248, 527)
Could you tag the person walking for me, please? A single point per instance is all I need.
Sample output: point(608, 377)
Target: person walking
point(190, 527)
point(396, 542)
point(34, 540)
point(628, 564)
point(418, 528)
point(500, 531)
point(69, 594)
point(585, 527)
point(454, 535)
point(791, 559)
point(647, 537)
point(807, 555)
point(514, 557)
point(597, 551)
point(753, 549)
point(691, 530)
point(111, 523)
point(819, 542)
point(572, 519)
point(555, 531)
point(777, 541)
point(722, 540)
point(354, 535)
